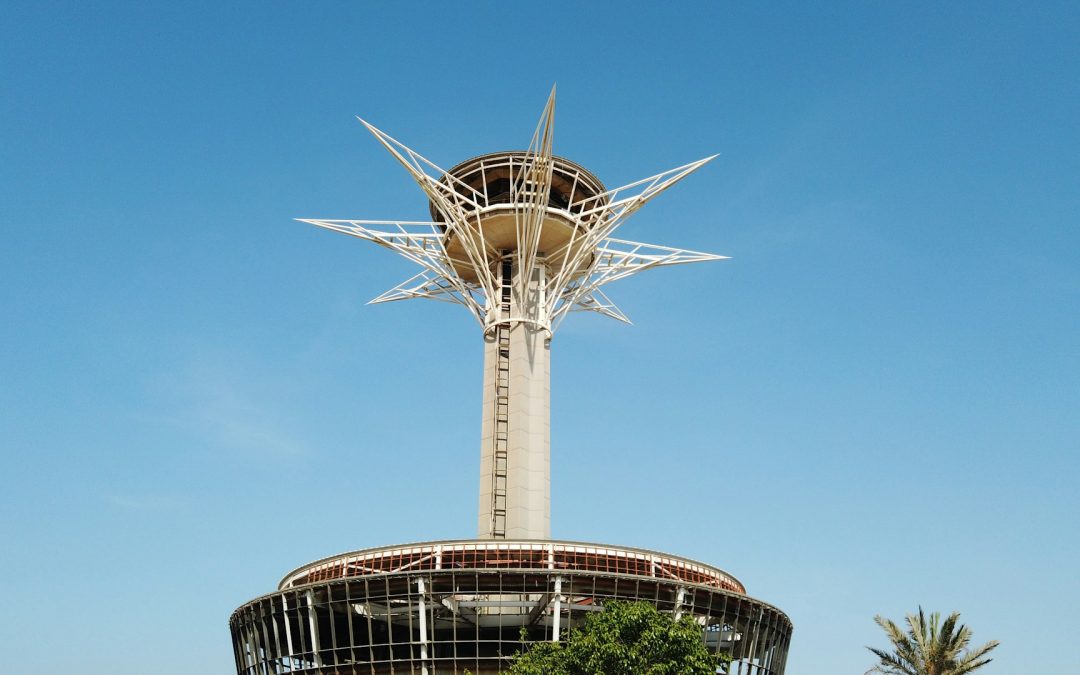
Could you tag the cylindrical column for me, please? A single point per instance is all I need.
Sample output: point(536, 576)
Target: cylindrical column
point(515, 477)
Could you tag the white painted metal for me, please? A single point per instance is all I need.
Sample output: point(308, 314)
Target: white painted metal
point(574, 288)
point(288, 628)
point(556, 619)
point(515, 483)
point(463, 258)
point(422, 600)
point(313, 628)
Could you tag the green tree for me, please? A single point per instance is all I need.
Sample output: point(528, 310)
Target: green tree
point(929, 647)
point(624, 638)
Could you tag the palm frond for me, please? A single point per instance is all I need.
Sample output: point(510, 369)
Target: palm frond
point(929, 645)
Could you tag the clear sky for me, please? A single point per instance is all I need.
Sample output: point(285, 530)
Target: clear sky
point(874, 404)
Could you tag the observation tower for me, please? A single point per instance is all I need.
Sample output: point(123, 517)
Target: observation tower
point(520, 239)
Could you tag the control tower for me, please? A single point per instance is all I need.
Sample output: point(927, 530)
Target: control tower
point(520, 239)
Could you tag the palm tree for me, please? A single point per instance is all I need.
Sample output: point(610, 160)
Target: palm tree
point(929, 647)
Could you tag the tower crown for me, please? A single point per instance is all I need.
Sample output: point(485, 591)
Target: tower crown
point(530, 211)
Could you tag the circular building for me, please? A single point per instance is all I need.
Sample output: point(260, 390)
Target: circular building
point(451, 606)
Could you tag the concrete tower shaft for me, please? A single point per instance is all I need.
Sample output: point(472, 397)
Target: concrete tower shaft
point(515, 447)
point(529, 233)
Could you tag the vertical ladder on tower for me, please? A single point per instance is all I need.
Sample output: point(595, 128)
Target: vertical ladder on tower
point(502, 407)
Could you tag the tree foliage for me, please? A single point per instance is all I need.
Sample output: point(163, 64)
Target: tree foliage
point(929, 647)
point(624, 638)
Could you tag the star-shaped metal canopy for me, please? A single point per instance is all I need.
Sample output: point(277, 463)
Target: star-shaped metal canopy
point(580, 267)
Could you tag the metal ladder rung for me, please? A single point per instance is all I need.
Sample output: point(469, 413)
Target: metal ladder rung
point(502, 406)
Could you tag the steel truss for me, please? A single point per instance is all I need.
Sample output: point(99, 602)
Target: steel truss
point(590, 259)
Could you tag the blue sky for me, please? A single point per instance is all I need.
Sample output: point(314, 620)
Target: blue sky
point(873, 405)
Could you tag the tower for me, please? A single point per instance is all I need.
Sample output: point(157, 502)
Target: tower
point(520, 239)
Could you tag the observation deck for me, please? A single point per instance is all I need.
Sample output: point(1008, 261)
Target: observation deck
point(497, 191)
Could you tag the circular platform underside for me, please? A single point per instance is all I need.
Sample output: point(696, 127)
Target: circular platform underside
point(494, 233)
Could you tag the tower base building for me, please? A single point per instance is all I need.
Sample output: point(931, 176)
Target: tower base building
point(445, 607)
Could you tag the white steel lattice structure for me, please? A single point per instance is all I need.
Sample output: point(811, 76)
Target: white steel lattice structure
point(520, 239)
